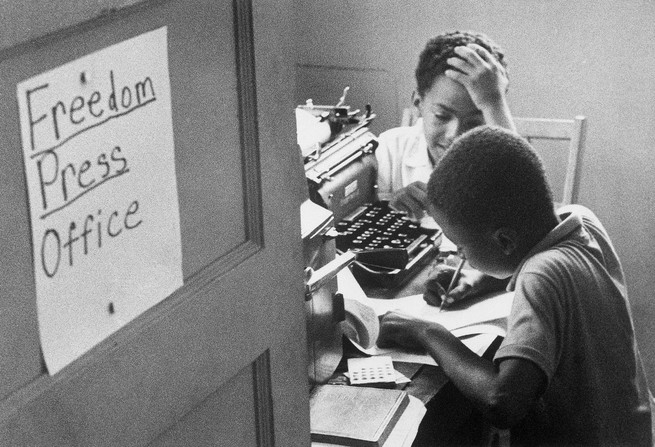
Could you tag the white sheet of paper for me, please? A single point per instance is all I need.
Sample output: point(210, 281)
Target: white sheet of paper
point(97, 138)
point(471, 312)
point(476, 322)
point(488, 309)
point(477, 343)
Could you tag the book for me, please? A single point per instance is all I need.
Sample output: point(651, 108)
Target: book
point(355, 416)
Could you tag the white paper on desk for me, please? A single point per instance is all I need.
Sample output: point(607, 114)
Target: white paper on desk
point(496, 328)
point(490, 308)
point(477, 343)
point(476, 322)
point(405, 430)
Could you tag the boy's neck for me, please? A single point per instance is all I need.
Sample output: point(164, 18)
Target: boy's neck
point(536, 236)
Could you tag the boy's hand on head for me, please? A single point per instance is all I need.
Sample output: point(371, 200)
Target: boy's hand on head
point(412, 199)
point(399, 329)
point(481, 74)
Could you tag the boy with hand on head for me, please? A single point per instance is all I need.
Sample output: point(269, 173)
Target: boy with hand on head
point(568, 371)
point(461, 83)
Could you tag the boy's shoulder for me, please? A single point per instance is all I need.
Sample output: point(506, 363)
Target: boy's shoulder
point(580, 233)
point(550, 252)
point(589, 221)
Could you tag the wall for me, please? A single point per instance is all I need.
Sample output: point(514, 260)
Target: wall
point(589, 57)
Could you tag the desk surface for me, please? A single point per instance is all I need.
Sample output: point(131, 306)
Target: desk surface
point(450, 418)
point(426, 380)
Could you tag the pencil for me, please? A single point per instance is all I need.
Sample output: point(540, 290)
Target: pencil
point(453, 281)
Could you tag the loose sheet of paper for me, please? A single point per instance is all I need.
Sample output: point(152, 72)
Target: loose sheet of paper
point(471, 312)
point(477, 322)
point(97, 138)
point(477, 343)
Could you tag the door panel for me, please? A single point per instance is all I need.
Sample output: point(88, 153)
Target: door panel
point(225, 418)
point(223, 358)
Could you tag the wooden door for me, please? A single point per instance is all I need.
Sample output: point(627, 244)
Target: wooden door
point(222, 360)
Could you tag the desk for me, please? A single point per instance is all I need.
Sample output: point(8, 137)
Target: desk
point(450, 419)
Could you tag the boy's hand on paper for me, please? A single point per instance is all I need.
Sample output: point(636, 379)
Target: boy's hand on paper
point(481, 74)
point(438, 282)
point(472, 283)
point(399, 329)
point(412, 199)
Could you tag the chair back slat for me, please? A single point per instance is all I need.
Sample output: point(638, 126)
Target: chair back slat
point(572, 130)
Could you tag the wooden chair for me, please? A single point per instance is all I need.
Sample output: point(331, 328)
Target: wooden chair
point(571, 130)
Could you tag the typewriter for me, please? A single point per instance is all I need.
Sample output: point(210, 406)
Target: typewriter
point(341, 176)
point(389, 247)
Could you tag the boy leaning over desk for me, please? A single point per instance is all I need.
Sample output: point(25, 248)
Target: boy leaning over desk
point(568, 371)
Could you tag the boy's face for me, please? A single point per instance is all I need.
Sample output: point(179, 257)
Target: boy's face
point(481, 250)
point(448, 111)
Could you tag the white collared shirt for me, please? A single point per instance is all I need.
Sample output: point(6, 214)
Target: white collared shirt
point(402, 157)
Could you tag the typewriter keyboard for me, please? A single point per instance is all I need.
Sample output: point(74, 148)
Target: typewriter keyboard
point(381, 236)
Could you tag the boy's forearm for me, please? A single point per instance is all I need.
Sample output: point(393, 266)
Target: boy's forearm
point(499, 115)
point(473, 375)
point(503, 396)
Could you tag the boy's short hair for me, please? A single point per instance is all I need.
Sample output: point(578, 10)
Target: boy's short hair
point(489, 178)
point(432, 60)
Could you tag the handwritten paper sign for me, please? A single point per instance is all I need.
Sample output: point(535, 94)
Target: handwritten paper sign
point(97, 138)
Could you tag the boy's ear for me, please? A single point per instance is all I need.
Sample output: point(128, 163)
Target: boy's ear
point(507, 239)
point(416, 100)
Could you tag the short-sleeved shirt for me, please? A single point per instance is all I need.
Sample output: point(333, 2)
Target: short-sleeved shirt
point(571, 317)
point(402, 156)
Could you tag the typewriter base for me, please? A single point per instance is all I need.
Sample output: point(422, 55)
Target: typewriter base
point(381, 282)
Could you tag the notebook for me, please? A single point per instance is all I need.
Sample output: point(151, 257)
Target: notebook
point(355, 416)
